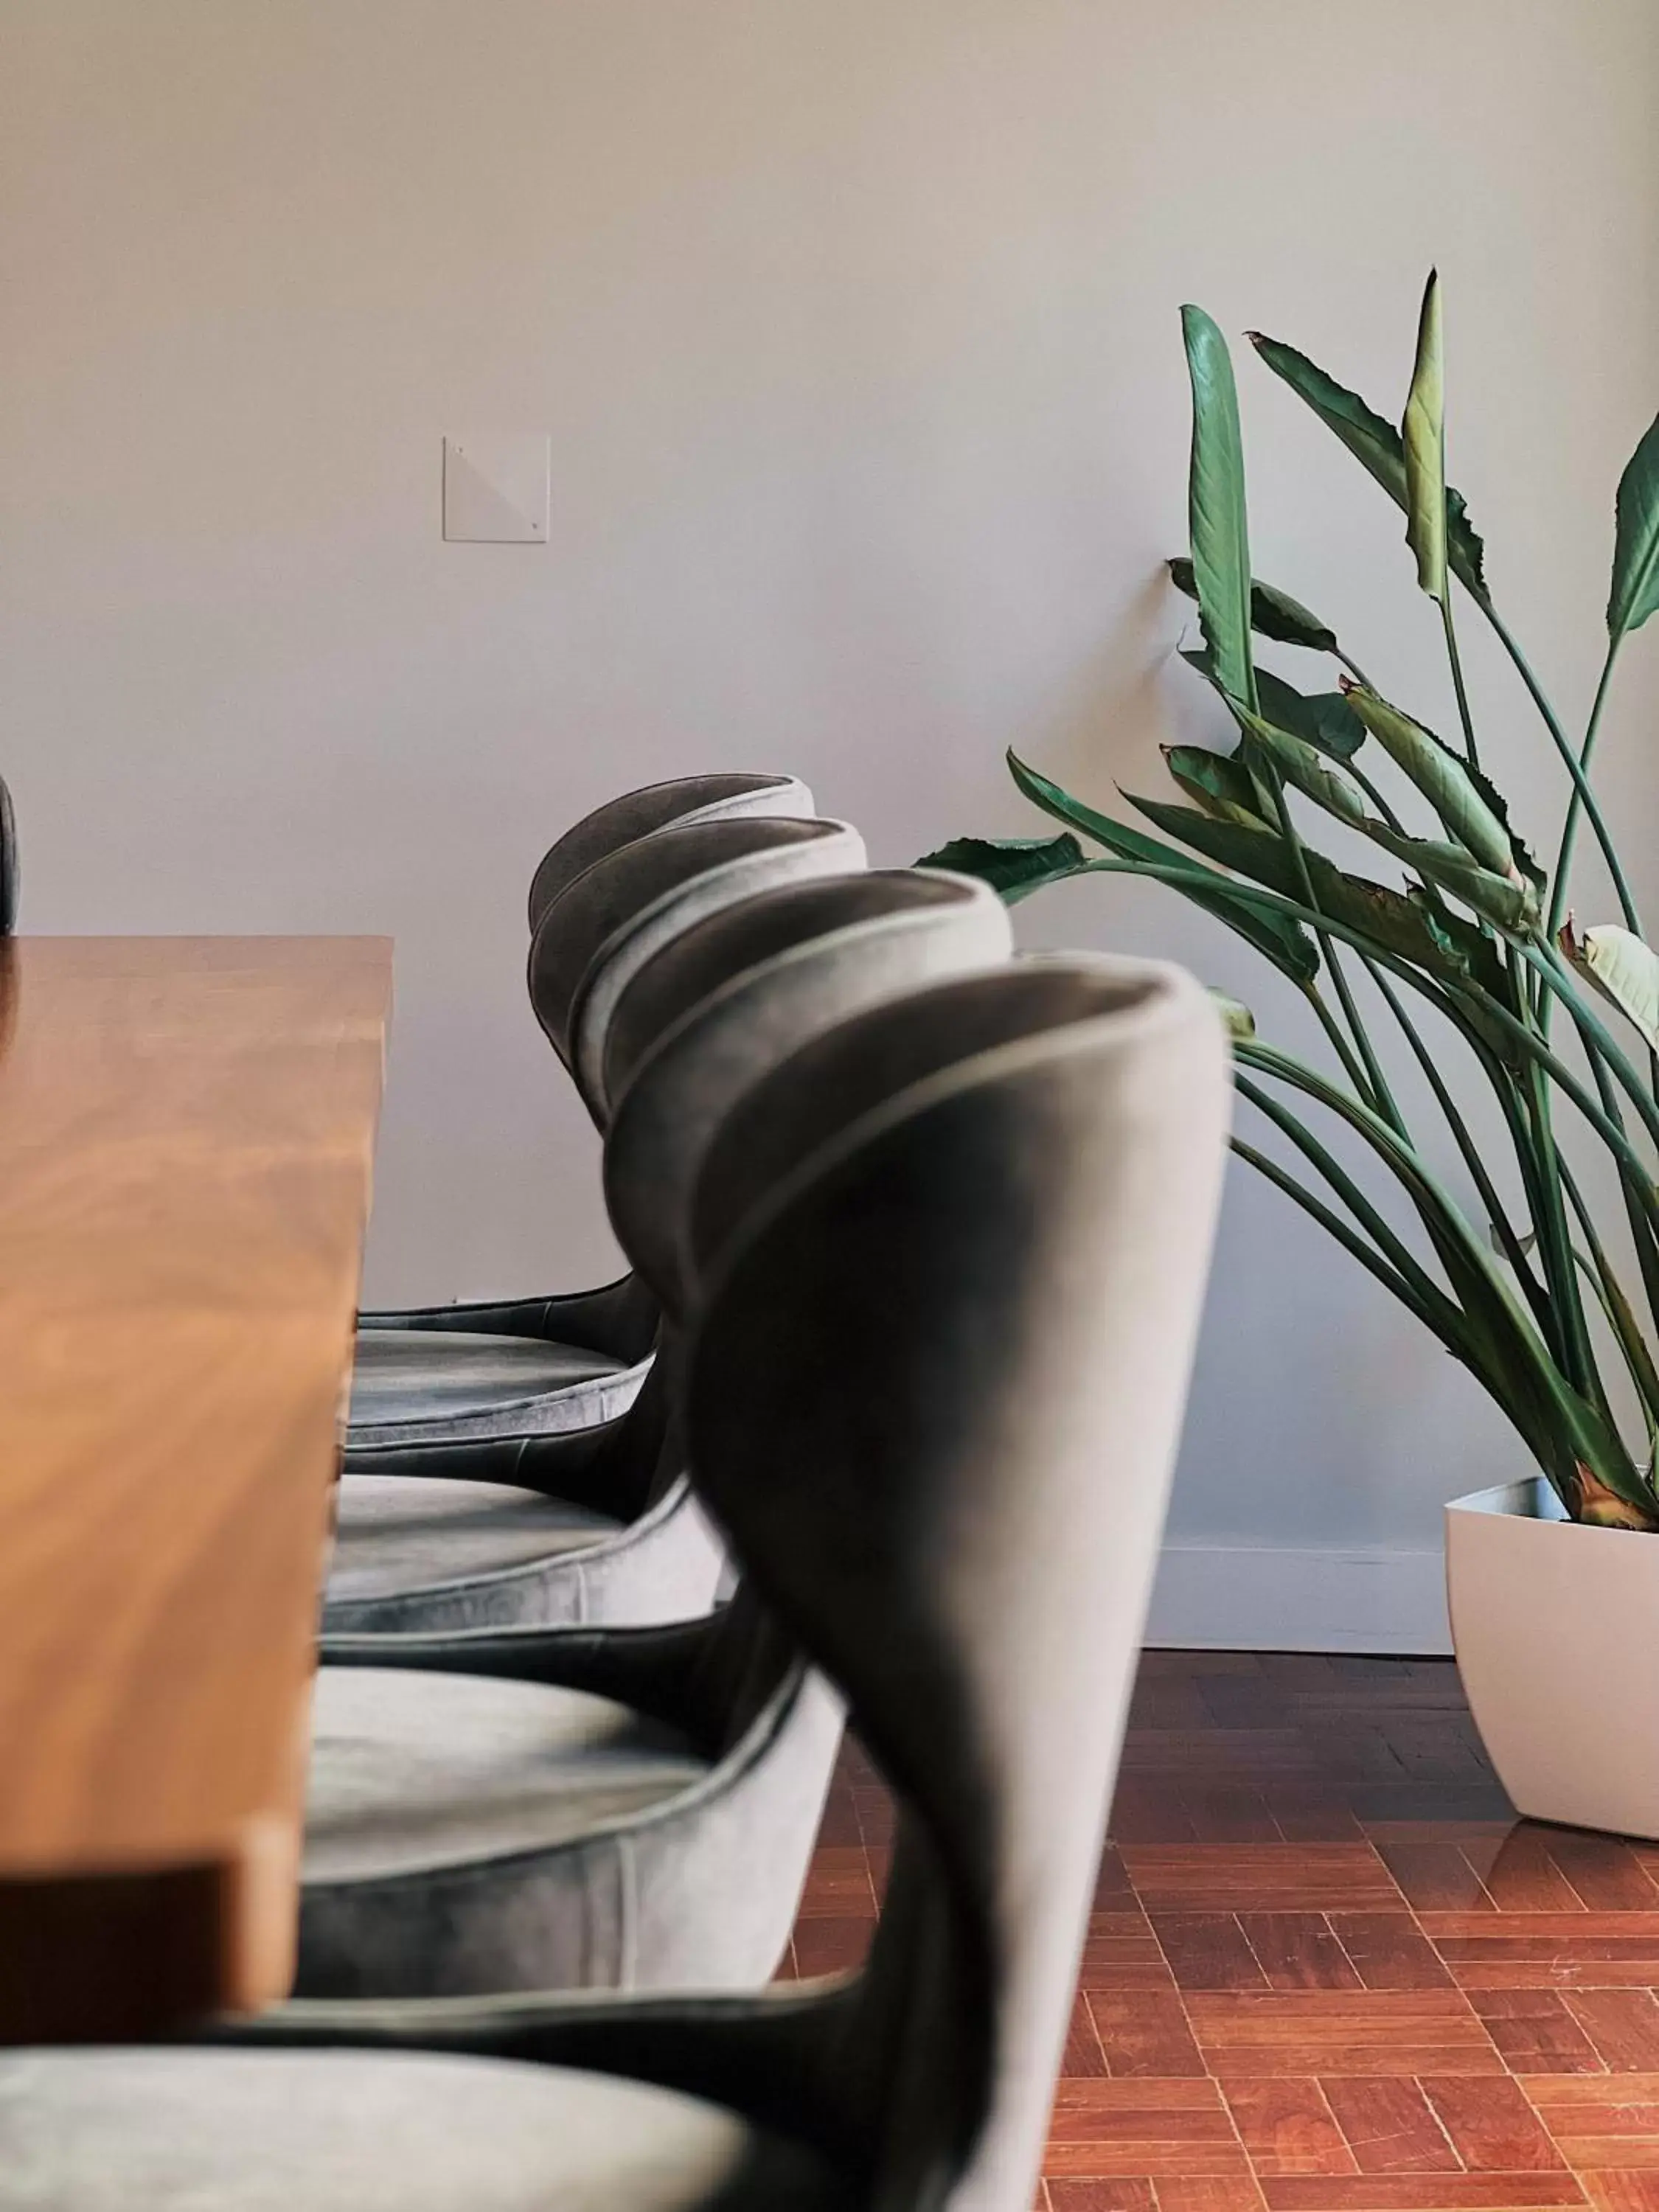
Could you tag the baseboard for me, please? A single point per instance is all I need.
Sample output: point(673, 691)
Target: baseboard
point(1258, 1597)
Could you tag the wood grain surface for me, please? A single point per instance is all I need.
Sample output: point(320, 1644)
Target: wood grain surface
point(187, 1133)
point(1328, 1969)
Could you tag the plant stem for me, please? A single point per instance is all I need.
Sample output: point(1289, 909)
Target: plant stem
point(1592, 1032)
point(1569, 828)
point(1376, 1086)
point(1502, 1227)
point(1562, 744)
point(1452, 655)
point(1375, 797)
point(1635, 1187)
point(1383, 1237)
point(1553, 1240)
point(1571, 1432)
point(1349, 1239)
point(1333, 1028)
point(1620, 1315)
point(1439, 996)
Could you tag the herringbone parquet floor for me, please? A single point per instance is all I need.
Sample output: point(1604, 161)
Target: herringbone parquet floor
point(1328, 1970)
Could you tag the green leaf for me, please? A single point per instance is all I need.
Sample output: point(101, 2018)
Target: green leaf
point(1239, 1020)
point(1623, 969)
point(1443, 780)
point(1377, 446)
point(1276, 937)
point(1273, 613)
point(1499, 806)
point(1218, 782)
point(1259, 852)
point(1424, 436)
point(1215, 507)
point(1509, 902)
point(1448, 949)
point(1015, 866)
point(1323, 719)
point(1298, 762)
point(1635, 593)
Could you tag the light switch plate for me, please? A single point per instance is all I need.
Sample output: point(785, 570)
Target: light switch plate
point(495, 490)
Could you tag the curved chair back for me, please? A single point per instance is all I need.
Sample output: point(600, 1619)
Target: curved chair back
point(757, 981)
point(648, 893)
point(933, 1398)
point(613, 890)
point(654, 806)
point(8, 863)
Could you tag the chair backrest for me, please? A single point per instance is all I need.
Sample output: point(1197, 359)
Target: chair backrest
point(615, 889)
point(753, 982)
point(933, 1397)
point(8, 863)
point(637, 813)
point(699, 870)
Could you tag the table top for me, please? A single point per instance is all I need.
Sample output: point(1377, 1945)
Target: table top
point(187, 1133)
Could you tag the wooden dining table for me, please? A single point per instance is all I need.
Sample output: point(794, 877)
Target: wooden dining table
point(186, 1143)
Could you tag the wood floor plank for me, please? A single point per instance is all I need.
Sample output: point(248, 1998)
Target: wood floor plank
point(831, 1946)
point(1208, 1951)
point(1571, 1927)
point(1298, 1951)
point(1326, 2032)
point(1121, 1951)
point(1623, 2025)
point(1287, 2126)
point(1535, 2032)
point(1425, 2192)
point(1522, 1962)
point(1523, 1876)
point(1434, 1875)
point(1389, 1951)
point(1312, 1812)
point(1207, 2193)
point(1603, 1870)
point(1261, 1877)
point(1491, 2125)
point(1393, 1995)
point(1389, 2126)
point(1231, 1815)
point(1084, 2058)
point(1622, 2190)
point(1142, 2128)
point(1605, 2121)
point(1145, 2031)
point(1122, 2193)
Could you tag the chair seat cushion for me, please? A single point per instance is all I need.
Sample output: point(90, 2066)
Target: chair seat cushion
point(411, 1771)
point(146, 2130)
point(396, 1533)
point(406, 1380)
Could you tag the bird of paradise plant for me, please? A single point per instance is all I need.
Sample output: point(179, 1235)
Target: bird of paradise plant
point(1479, 932)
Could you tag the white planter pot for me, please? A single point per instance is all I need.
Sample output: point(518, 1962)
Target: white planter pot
point(1556, 1627)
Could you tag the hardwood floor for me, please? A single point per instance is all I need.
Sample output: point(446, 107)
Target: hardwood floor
point(1328, 1970)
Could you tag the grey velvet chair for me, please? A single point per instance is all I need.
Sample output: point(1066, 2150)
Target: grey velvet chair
point(627, 1809)
point(933, 1394)
point(600, 1318)
point(600, 1525)
point(540, 1365)
point(719, 796)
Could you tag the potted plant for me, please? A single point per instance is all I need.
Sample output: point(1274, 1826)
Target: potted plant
point(1550, 1299)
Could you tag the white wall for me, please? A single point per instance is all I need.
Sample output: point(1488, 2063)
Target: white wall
point(854, 324)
